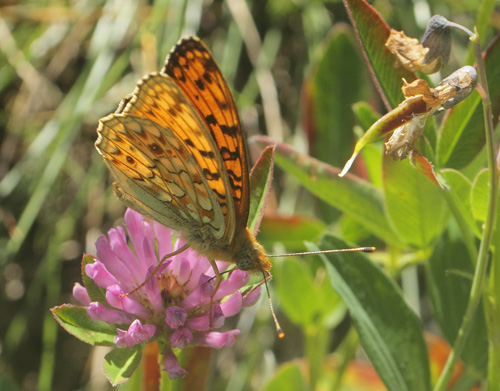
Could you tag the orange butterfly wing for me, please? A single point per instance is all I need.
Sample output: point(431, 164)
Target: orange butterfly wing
point(194, 70)
point(158, 99)
point(157, 174)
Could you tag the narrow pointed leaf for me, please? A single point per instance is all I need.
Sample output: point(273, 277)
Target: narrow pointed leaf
point(372, 33)
point(390, 332)
point(261, 179)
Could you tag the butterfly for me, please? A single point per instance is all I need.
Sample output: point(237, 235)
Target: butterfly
point(177, 152)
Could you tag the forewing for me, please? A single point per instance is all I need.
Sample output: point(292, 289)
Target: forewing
point(159, 99)
point(156, 174)
point(193, 68)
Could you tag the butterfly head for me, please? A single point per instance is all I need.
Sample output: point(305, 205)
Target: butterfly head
point(255, 260)
point(250, 255)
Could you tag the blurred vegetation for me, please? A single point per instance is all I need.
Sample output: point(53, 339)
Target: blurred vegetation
point(64, 65)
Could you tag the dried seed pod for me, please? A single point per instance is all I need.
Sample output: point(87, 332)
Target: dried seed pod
point(462, 81)
point(437, 38)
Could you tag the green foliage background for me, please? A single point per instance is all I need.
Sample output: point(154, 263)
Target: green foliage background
point(298, 76)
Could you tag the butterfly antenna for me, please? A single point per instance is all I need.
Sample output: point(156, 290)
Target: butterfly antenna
point(279, 330)
point(222, 273)
point(178, 251)
point(340, 250)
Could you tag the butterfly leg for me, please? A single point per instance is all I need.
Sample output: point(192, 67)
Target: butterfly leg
point(151, 275)
point(218, 280)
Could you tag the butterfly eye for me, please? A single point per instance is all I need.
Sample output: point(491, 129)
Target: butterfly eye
point(245, 264)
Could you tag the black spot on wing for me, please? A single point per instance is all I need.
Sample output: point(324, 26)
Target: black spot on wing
point(220, 196)
point(207, 77)
point(208, 154)
point(211, 176)
point(227, 154)
point(200, 84)
point(229, 130)
point(233, 176)
point(211, 119)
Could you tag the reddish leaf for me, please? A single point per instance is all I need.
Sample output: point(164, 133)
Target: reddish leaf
point(372, 33)
point(425, 167)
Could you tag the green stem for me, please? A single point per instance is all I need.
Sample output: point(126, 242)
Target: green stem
point(317, 340)
point(482, 260)
point(492, 301)
point(493, 330)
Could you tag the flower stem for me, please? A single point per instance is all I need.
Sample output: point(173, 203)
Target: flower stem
point(482, 260)
point(150, 368)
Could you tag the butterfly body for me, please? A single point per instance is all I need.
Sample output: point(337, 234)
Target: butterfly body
point(178, 155)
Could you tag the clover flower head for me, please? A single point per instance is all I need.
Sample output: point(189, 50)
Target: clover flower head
point(173, 306)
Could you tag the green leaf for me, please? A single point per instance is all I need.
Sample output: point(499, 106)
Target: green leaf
point(449, 275)
point(288, 377)
point(372, 33)
point(74, 320)
point(358, 198)
point(462, 136)
point(414, 203)
point(365, 114)
point(479, 195)
point(261, 178)
point(460, 190)
point(295, 288)
point(352, 231)
point(336, 86)
point(291, 231)
point(304, 300)
point(120, 364)
point(372, 156)
point(390, 332)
